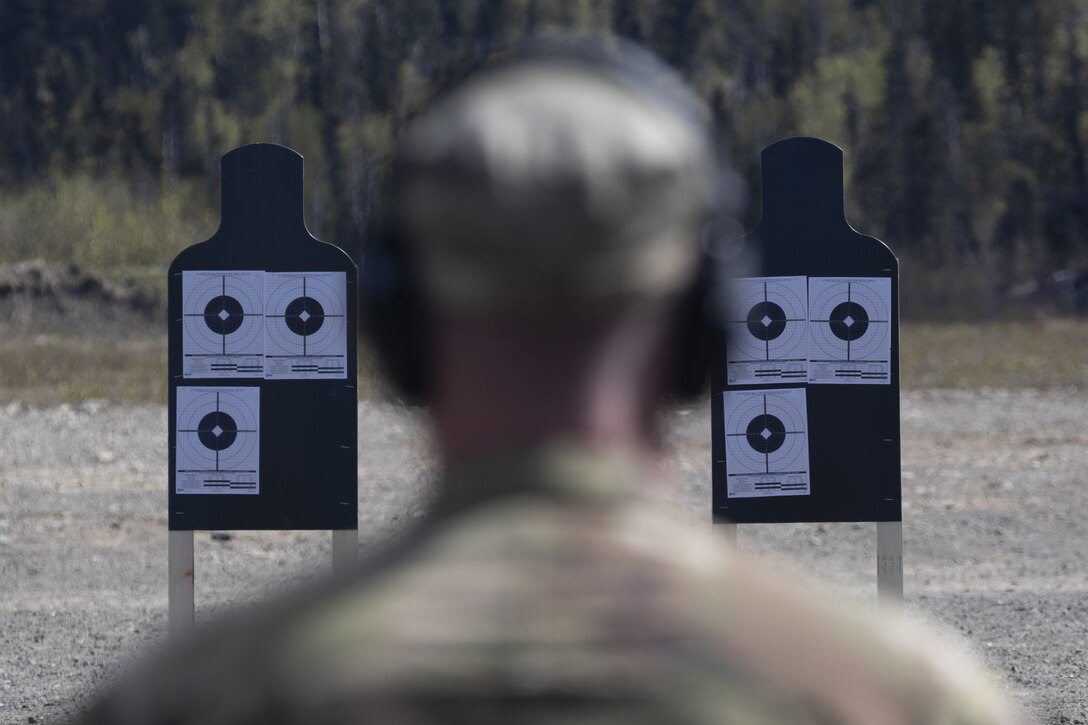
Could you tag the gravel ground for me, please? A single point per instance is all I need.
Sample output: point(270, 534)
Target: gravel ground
point(994, 528)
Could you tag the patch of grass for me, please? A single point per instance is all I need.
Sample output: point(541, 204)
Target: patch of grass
point(1052, 354)
point(1021, 354)
point(51, 371)
point(103, 224)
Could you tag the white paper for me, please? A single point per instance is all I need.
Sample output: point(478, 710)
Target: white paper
point(766, 443)
point(305, 325)
point(218, 440)
point(768, 343)
point(851, 331)
point(222, 324)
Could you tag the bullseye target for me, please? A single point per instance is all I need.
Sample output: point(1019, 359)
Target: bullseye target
point(306, 325)
point(222, 324)
point(850, 327)
point(769, 344)
point(218, 440)
point(766, 444)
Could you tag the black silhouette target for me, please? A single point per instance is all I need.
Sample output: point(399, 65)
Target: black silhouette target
point(305, 315)
point(806, 377)
point(262, 431)
point(222, 314)
point(850, 319)
point(217, 429)
point(766, 432)
point(774, 327)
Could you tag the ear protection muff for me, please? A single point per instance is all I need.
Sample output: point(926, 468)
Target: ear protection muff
point(394, 319)
point(705, 307)
point(393, 314)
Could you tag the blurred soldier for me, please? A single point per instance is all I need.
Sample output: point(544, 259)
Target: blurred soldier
point(551, 209)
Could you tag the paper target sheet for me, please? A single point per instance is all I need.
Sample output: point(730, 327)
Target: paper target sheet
point(306, 325)
point(766, 443)
point(851, 330)
point(217, 441)
point(222, 324)
point(769, 344)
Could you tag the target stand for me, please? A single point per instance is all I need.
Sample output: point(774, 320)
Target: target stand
point(262, 374)
point(805, 404)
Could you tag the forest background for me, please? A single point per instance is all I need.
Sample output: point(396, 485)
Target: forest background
point(964, 122)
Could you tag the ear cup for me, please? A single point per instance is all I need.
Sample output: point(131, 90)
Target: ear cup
point(393, 317)
point(692, 338)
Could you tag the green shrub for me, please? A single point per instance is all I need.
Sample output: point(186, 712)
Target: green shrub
point(103, 224)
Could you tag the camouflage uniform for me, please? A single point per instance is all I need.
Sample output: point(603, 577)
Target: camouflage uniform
point(544, 587)
point(543, 590)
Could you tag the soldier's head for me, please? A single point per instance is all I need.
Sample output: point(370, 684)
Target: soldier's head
point(550, 212)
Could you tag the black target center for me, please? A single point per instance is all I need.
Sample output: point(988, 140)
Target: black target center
point(304, 316)
point(766, 321)
point(217, 431)
point(223, 315)
point(849, 321)
point(766, 433)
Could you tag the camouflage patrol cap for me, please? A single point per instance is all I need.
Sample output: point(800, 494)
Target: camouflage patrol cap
point(554, 184)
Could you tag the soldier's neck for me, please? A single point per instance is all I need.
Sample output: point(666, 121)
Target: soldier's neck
point(499, 387)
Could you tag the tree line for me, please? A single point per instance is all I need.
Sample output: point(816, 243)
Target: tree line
point(965, 123)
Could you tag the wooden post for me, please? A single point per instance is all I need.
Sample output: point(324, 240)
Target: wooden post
point(889, 565)
point(181, 593)
point(345, 551)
